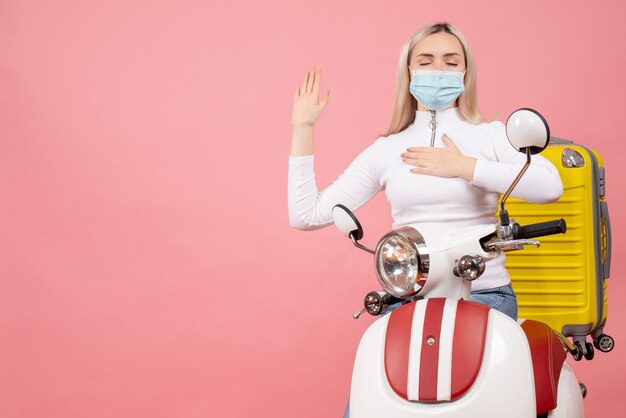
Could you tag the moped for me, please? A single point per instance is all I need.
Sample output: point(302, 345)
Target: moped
point(439, 354)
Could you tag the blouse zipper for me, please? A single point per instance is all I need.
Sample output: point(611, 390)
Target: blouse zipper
point(433, 125)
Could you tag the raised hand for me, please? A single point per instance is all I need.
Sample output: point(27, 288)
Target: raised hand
point(307, 106)
point(440, 162)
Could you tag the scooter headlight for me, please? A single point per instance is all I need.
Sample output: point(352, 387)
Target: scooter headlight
point(402, 262)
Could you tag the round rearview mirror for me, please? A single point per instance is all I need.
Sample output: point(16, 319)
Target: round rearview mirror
point(527, 129)
point(346, 222)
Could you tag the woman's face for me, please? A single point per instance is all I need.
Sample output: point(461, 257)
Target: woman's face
point(439, 51)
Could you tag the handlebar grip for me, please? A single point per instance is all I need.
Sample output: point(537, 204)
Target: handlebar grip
point(540, 229)
point(390, 300)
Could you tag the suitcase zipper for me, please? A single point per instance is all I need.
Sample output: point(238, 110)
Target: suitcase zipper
point(433, 125)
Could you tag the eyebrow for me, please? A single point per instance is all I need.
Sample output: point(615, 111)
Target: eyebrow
point(449, 54)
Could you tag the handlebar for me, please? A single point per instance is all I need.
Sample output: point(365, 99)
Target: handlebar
point(539, 229)
point(389, 300)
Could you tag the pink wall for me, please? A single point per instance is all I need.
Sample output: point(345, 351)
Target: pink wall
point(147, 266)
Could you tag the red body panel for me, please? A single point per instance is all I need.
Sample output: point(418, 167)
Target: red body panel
point(548, 355)
point(470, 327)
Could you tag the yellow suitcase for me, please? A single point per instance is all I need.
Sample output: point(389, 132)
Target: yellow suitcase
point(563, 282)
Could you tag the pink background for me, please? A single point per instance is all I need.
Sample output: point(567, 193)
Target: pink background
point(147, 266)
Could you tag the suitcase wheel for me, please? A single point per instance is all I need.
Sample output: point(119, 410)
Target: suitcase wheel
point(604, 343)
point(590, 353)
point(578, 351)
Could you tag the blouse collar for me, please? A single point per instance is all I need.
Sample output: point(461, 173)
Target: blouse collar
point(446, 116)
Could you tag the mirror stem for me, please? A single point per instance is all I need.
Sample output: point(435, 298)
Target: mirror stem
point(504, 216)
point(356, 244)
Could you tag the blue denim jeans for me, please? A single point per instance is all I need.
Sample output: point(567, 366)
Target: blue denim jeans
point(501, 298)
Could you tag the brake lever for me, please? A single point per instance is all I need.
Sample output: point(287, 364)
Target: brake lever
point(511, 244)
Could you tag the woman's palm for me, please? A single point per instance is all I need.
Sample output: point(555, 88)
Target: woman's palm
point(307, 106)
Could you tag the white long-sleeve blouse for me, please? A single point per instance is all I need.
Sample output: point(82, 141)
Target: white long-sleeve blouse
point(426, 198)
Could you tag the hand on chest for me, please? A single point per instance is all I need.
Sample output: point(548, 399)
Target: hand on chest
point(406, 188)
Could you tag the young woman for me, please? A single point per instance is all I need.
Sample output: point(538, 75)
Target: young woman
point(440, 161)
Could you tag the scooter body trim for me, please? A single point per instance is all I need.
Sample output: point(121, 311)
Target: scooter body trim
point(504, 385)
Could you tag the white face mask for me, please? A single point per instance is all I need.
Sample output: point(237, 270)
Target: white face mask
point(436, 90)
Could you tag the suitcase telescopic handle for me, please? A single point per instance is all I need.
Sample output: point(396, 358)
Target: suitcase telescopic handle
point(540, 229)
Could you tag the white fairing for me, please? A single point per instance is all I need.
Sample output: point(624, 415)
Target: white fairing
point(570, 400)
point(447, 244)
point(504, 386)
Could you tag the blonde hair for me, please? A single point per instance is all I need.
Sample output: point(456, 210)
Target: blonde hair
point(406, 105)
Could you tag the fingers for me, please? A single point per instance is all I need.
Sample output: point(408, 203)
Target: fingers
point(317, 75)
point(420, 166)
point(311, 84)
point(441, 162)
point(417, 155)
point(421, 170)
point(423, 150)
point(310, 81)
point(415, 160)
point(448, 142)
point(324, 100)
point(302, 89)
point(304, 83)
